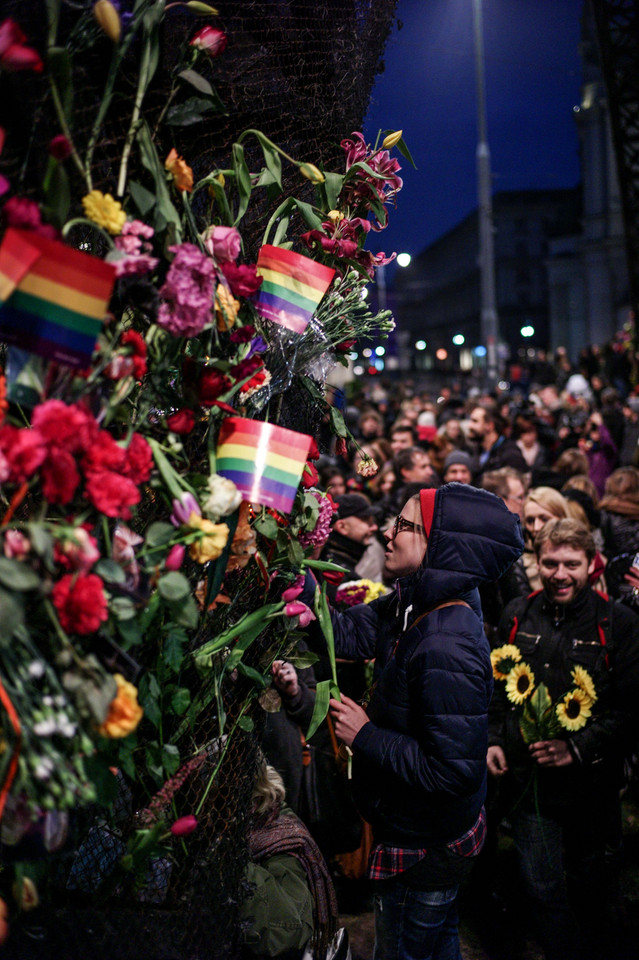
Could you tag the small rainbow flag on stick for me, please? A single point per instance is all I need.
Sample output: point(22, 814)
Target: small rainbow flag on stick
point(264, 461)
point(53, 298)
point(292, 287)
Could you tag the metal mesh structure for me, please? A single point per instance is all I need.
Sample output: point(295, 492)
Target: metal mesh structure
point(301, 71)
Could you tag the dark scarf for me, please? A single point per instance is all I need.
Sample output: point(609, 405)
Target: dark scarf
point(276, 833)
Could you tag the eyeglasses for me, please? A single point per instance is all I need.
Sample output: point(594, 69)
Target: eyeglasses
point(401, 523)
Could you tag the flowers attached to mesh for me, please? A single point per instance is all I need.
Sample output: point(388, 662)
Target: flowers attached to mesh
point(187, 292)
point(124, 713)
point(105, 211)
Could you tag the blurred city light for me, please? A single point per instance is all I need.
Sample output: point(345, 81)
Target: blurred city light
point(420, 345)
point(403, 259)
point(459, 339)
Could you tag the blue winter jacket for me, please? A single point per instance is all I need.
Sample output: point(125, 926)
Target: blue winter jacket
point(419, 766)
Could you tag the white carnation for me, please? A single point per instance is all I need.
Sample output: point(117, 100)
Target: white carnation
point(223, 498)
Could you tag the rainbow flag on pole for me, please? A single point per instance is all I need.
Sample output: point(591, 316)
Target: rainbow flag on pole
point(264, 461)
point(53, 298)
point(292, 287)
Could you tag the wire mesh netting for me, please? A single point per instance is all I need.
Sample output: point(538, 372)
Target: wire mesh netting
point(301, 71)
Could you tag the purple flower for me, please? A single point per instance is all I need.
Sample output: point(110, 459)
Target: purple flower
point(257, 346)
point(183, 508)
point(187, 291)
point(319, 535)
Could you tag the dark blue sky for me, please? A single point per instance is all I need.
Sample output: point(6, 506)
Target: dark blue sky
point(533, 76)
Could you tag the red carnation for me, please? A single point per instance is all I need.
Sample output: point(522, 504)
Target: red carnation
point(80, 603)
point(139, 459)
point(60, 148)
point(246, 367)
point(24, 450)
point(111, 493)
point(104, 454)
point(345, 346)
point(65, 426)
point(242, 334)
point(310, 476)
point(60, 476)
point(243, 279)
point(181, 422)
point(212, 384)
point(313, 453)
point(131, 338)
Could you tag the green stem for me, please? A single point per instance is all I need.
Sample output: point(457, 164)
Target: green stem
point(143, 82)
point(64, 126)
point(227, 743)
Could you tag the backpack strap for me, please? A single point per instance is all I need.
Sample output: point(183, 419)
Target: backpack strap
point(604, 623)
point(440, 606)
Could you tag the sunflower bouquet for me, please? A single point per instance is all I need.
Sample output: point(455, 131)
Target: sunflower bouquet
point(541, 718)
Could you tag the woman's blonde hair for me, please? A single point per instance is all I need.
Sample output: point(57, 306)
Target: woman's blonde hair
point(584, 484)
point(550, 499)
point(268, 788)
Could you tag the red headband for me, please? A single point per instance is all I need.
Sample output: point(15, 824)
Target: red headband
point(427, 503)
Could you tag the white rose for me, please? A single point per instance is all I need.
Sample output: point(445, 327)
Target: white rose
point(223, 498)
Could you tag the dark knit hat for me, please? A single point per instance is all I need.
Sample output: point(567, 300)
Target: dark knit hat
point(458, 456)
point(353, 505)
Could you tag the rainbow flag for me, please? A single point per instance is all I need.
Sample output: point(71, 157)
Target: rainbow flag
point(292, 287)
point(53, 298)
point(264, 461)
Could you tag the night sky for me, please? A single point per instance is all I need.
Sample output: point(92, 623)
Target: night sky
point(533, 75)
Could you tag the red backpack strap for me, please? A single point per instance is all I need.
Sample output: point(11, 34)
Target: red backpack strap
point(513, 630)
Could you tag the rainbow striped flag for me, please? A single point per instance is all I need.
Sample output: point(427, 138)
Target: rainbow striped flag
point(264, 461)
point(53, 298)
point(292, 287)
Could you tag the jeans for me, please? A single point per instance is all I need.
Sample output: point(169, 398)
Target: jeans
point(415, 924)
point(561, 859)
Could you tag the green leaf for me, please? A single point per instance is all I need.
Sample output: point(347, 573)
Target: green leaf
point(149, 700)
point(250, 624)
point(170, 758)
point(281, 231)
point(323, 613)
point(302, 660)
point(17, 576)
point(267, 526)
point(173, 649)
point(174, 586)
point(242, 179)
point(110, 571)
point(142, 198)
point(149, 613)
point(196, 80)
point(57, 198)
point(105, 783)
point(41, 540)
point(129, 631)
point(322, 697)
point(122, 608)
point(295, 553)
point(60, 66)
point(11, 615)
point(186, 613)
point(314, 222)
point(252, 674)
point(333, 183)
point(405, 152)
point(181, 700)
point(337, 423)
point(126, 761)
point(158, 535)
point(323, 565)
point(246, 724)
point(168, 473)
point(165, 211)
point(186, 114)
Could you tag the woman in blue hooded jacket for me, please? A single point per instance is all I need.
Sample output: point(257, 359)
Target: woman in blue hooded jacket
point(419, 749)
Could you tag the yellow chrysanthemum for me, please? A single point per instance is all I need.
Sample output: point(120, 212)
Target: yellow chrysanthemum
point(213, 541)
point(520, 683)
point(584, 681)
point(574, 710)
point(374, 589)
point(503, 660)
point(105, 211)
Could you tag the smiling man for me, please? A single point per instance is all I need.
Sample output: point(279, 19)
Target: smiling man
point(419, 771)
point(585, 650)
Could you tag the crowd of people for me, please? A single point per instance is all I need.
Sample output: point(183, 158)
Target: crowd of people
point(490, 678)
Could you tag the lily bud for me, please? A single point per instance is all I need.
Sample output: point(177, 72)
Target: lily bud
point(202, 8)
point(108, 19)
point(392, 140)
point(311, 172)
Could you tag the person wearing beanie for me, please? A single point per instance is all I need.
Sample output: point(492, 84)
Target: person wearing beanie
point(458, 467)
point(419, 748)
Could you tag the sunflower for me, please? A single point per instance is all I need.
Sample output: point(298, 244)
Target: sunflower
point(520, 683)
point(574, 710)
point(584, 682)
point(504, 659)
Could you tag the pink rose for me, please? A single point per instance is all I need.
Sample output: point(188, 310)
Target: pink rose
point(210, 40)
point(223, 243)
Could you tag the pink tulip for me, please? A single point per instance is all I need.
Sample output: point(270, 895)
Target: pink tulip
point(299, 609)
point(174, 557)
point(184, 826)
point(210, 40)
point(292, 593)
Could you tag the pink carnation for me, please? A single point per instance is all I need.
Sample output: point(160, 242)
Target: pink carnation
point(188, 292)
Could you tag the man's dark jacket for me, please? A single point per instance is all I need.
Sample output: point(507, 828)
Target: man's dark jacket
point(419, 766)
point(503, 453)
point(553, 639)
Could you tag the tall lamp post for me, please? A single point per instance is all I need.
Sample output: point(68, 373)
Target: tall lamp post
point(488, 315)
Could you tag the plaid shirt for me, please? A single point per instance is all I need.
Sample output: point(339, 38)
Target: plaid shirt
point(386, 862)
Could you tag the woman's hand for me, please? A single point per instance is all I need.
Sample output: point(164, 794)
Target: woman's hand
point(348, 717)
point(285, 678)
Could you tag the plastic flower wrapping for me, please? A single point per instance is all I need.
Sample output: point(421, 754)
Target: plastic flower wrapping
point(144, 362)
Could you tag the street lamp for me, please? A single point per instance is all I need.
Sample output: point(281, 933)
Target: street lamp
point(488, 315)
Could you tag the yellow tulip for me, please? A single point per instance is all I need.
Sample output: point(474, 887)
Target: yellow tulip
point(108, 18)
